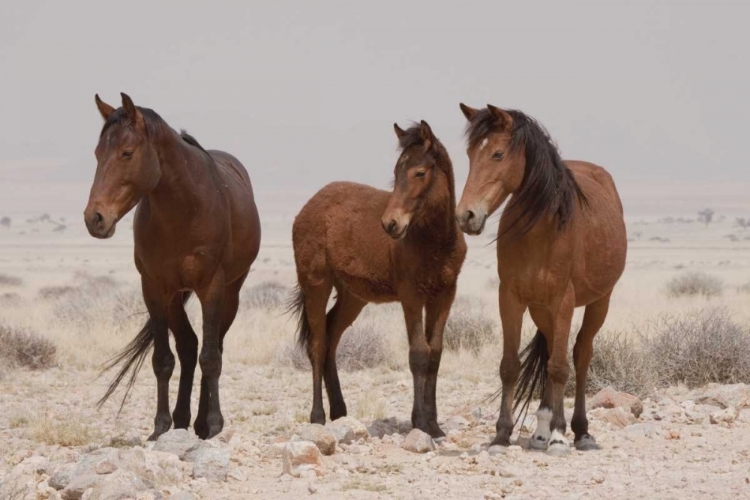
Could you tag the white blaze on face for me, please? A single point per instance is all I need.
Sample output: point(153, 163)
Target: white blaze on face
point(484, 143)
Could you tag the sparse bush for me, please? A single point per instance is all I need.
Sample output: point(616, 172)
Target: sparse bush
point(745, 288)
point(7, 280)
point(361, 346)
point(467, 328)
point(266, 295)
point(619, 362)
point(695, 283)
point(5, 222)
point(23, 348)
point(698, 348)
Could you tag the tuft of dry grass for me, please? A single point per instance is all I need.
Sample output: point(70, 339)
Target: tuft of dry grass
point(369, 407)
point(467, 327)
point(695, 283)
point(25, 348)
point(63, 432)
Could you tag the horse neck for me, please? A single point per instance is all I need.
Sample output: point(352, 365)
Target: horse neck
point(184, 172)
point(438, 217)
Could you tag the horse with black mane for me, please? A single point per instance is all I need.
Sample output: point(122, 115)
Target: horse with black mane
point(196, 230)
point(561, 244)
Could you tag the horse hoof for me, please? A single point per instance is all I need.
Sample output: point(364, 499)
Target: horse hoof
point(558, 449)
point(538, 443)
point(435, 431)
point(587, 443)
point(500, 441)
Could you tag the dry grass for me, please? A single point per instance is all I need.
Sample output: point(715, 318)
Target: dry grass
point(694, 284)
point(66, 431)
point(25, 348)
point(369, 407)
point(745, 288)
point(468, 328)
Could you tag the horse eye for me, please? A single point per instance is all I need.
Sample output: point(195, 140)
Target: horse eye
point(127, 154)
point(498, 155)
point(419, 174)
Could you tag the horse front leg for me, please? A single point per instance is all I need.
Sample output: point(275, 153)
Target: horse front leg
point(436, 315)
point(419, 360)
point(511, 316)
point(209, 421)
point(162, 359)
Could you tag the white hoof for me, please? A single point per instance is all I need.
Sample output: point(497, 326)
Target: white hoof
point(538, 442)
point(558, 445)
point(540, 438)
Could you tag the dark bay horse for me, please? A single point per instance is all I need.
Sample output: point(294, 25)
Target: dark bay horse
point(561, 244)
point(196, 229)
point(414, 258)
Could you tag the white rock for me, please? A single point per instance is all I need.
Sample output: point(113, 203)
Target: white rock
point(418, 442)
point(323, 438)
point(176, 441)
point(302, 456)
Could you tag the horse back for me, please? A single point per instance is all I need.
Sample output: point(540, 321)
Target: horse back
point(338, 235)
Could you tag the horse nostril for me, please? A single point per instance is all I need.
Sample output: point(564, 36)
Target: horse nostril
point(470, 215)
point(391, 226)
point(98, 219)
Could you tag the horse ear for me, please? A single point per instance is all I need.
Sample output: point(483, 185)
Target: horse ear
point(502, 116)
point(104, 109)
point(468, 111)
point(400, 133)
point(425, 131)
point(127, 104)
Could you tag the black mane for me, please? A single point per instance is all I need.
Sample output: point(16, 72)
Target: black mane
point(547, 185)
point(155, 125)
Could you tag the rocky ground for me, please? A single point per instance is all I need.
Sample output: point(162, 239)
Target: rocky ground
point(676, 444)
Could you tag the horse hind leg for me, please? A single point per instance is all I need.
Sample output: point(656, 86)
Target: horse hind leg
point(593, 319)
point(558, 371)
point(227, 313)
point(186, 342)
point(339, 318)
point(311, 304)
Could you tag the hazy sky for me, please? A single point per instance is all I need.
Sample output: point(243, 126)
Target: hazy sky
point(306, 92)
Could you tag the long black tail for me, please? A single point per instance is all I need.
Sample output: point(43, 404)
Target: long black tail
point(297, 308)
point(533, 378)
point(133, 357)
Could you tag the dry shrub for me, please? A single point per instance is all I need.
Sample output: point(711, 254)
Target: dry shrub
point(745, 288)
point(266, 295)
point(467, 327)
point(700, 347)
point(619, 362)
point(361, 346)
point(8, 280)
point(24, 348)
point(695, 283)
